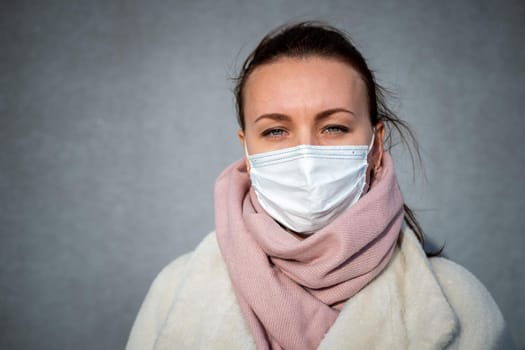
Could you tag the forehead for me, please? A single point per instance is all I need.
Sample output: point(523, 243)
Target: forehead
point(312, 82)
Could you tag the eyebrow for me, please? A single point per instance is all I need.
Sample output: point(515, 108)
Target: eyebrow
point(321, 115)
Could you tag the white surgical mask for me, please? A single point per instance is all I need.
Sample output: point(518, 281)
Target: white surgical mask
point(305, 187)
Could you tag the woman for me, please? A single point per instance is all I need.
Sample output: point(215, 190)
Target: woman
point(314, 247)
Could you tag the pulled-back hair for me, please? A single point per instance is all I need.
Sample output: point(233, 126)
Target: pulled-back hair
point(307, 39)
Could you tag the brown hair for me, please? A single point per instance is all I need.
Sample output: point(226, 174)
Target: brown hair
point(306, 39)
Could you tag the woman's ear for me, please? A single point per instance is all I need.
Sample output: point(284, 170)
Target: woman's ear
point(378, 148)
point(240, 134)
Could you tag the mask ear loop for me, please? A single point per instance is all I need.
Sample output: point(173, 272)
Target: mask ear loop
point(246, 149)
point(247, 156)
point(371, 145)
point(372, 175)
point(377, 168)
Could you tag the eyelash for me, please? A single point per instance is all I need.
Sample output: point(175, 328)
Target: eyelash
point(269, 132)
point(341, 129)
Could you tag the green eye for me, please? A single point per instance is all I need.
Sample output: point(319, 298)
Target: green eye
point(335, 129)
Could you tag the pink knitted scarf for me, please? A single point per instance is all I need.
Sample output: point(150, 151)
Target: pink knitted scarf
point(290, 291)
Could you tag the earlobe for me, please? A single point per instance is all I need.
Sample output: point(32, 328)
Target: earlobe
point(240, 135)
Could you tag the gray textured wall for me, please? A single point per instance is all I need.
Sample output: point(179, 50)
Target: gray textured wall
point(116, 117)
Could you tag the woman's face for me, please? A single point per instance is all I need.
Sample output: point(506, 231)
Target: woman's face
point(313, 101)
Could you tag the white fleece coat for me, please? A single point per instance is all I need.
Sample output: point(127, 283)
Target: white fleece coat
point(415, 303)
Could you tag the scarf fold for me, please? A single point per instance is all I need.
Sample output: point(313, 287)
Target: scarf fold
point(290, 291)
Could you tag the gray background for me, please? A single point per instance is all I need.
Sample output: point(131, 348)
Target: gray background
point(117, 116)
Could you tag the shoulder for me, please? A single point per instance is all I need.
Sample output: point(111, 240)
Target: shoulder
point(481, 322)
point(206, 253)
point(191, 304)
point(458, 282)
point(154, 308)
point(163, 290)
point(204, 260)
